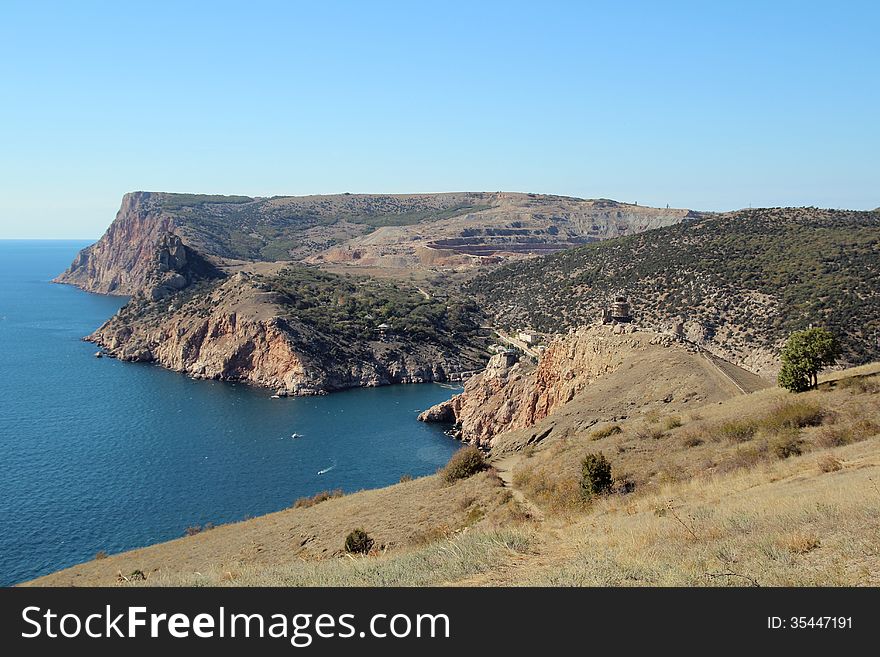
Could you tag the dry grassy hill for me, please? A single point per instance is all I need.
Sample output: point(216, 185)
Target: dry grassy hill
point(768, 488)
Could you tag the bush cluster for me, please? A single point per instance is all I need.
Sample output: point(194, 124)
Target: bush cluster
point(465, 463)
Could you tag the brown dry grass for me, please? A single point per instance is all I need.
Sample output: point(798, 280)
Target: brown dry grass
point(396, 517)
point(795, 503)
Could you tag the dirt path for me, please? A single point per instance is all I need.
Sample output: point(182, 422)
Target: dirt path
point(505, 467)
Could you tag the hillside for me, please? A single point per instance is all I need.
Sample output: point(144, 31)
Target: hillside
point(354, 230)
point(590, 376)
point(764, 489)
point(739, 283)
point(298, 331)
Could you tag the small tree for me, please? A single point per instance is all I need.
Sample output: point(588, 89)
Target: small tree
point(595, 475)
point(803, 357)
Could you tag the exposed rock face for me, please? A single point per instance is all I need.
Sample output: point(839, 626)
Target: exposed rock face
point(120, 262)
point(502, 399)
point(175, 266)
point(237, 332)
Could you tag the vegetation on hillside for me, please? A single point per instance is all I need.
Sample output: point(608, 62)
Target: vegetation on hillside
point(749, 278)
point(806, 353)
point(245, 228)
point(355, 307)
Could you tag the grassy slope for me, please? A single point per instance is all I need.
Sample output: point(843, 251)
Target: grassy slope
point(712, 505)
point(754, 275)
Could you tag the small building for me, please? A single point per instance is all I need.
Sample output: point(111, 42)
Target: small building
point(618, 312)
point(509, 357)
point(528, 337)
point(384, 329)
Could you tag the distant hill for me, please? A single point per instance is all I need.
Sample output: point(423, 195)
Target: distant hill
point(740, 282)
point(393, 231)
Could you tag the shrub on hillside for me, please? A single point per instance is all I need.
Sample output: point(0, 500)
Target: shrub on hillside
point(828, 463)
point(358, 542)
point(792, 415)
point(465, 463)
point(737, 431)
point(317, 498)
point(787, 443)
point(864, 428)
point(596, 476)
point(647, 432)
point(605, 432)
point(833, 437)
point(860, 384)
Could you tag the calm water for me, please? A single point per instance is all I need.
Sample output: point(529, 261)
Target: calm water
point(96, 454)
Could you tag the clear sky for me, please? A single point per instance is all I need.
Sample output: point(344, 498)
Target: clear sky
point(706, 105)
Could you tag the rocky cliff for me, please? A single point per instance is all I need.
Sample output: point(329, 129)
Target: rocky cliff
point(240, 330)
point(634, 368)
point(121, 261)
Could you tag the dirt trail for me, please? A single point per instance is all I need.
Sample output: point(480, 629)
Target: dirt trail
point(505, 467)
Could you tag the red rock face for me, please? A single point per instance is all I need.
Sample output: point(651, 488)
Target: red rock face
point(236, 332)
point(121, 260)
point(502, 399)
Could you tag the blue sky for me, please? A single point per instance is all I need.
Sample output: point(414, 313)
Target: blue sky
point(703, 105)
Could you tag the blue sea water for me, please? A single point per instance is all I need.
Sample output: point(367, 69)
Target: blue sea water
point(96, 454)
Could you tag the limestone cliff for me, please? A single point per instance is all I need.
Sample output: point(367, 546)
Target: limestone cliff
point(121, 261)
point(637, 367)
point(236, 330)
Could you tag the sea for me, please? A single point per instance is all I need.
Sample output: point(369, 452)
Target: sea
point(98, 455)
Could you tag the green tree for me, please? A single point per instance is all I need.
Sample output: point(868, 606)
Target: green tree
point(595, 475)
point(803, 357)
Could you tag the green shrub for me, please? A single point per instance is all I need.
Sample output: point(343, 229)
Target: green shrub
point(596, 476)
point(358, 542)
point(466, 462)
point(605, 432)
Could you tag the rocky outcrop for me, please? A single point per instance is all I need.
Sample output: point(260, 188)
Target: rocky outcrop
point(175, 266)
point(503, 398)
point(236, 331)
point(122, 260)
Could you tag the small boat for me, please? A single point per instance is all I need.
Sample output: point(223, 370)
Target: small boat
point(295, 435)
point(98, 354)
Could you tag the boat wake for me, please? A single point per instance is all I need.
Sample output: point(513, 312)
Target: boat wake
point(326, 470)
